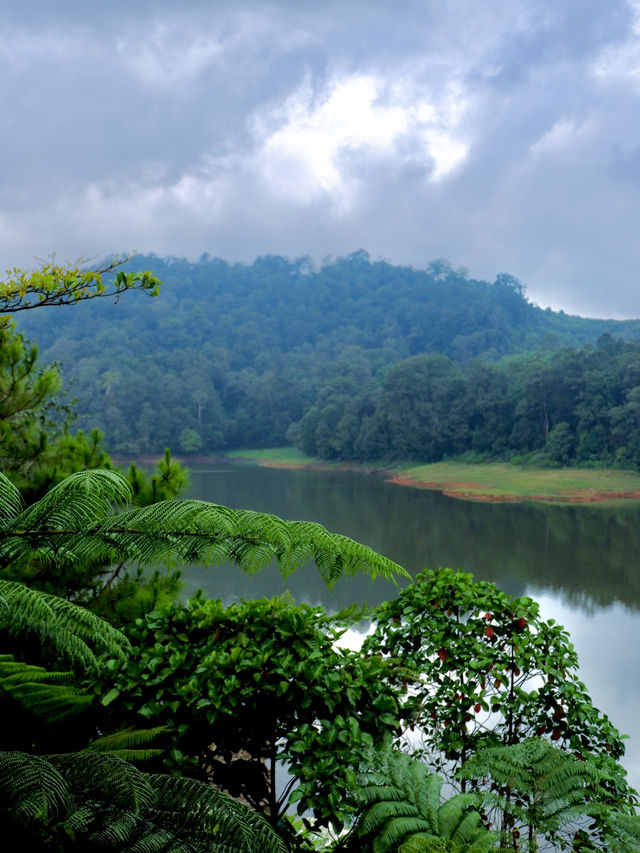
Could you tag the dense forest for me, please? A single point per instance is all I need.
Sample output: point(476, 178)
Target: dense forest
point(354, 359)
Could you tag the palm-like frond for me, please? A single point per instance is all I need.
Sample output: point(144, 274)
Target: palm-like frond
point(71, 630)
point(554, 787)
point(33, 695)
point(623, 834)
point(130, 744)
point(78, 521)
point(89, 800)
point(10, 501)
point(401, 801)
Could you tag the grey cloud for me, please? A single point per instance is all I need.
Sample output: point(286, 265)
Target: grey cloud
point(139, 126)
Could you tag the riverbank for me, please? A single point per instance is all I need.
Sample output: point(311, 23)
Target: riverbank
point(492, 482)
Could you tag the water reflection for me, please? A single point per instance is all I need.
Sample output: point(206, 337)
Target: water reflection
point(588, 555)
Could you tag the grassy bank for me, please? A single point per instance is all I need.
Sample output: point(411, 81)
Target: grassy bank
point(282, 457)
point(505, 482)
point(498, 481)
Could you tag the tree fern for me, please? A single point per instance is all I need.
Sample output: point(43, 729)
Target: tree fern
point(401, 802)
point(540, 787)
point(129, 744)
point(623, 833)
point(32, 699)
point(85, 800)
point(70, 630)
point(82, 519)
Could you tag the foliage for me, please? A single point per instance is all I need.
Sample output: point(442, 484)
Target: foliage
point(624, 833)
point(86, 801)
point(249, 688)
point(70, 631)
point(549, 793)
point(30, 408)
point(402, 809)
point(491, 672)
point(240, 354)
point(83, 519)
point(61, 284)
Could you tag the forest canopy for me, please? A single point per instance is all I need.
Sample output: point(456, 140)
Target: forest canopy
point(279, 351)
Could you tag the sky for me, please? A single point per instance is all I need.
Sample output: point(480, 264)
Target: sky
point(502, 135)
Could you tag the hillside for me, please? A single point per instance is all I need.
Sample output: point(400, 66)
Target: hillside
point(234, 354)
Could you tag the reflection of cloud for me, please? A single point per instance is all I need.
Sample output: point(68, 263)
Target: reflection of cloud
point(609, 656)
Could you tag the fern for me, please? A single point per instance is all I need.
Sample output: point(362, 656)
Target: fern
point(82, 520)
point(92, 800)
point(33, 696)
point(71, 630)
point(539, 786)
point(623, 833)
point(130, 744)
point(401, 802)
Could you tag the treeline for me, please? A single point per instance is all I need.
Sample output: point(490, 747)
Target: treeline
point(255, 355)
point(571, 406)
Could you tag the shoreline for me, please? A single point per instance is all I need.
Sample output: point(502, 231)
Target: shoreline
point(527, 484)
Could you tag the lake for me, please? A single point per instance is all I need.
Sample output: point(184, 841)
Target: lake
point(581, 563)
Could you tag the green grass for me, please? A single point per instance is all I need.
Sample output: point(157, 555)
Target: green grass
point(505, 481)
point(496, 481)
point(274, 455)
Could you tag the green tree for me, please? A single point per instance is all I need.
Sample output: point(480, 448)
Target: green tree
point(84, 518)
point(253, 688)
point(31, 411)
point(93, 798)
point(190, 440)
point(62, 284)
point(542, 796)
point(490, 671)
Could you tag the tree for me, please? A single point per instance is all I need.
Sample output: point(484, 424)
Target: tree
point(490, 671)
point(76, 800)
point(30, 408)
point(544, 793)
point(84, 518)
point(63, 284)
point(249, 689)
point(117, 591)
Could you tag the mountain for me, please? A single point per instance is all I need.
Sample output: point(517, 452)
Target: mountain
point(233, 355)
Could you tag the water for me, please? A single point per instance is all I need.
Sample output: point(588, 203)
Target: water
point(582, 563)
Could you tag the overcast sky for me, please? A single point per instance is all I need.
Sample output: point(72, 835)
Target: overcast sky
point(503, 135)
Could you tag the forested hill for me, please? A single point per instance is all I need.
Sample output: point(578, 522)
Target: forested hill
point(232, 355)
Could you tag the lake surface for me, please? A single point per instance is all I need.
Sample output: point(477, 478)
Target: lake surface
point(581, 563)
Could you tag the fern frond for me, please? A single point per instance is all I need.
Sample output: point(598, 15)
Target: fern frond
point(100, 801)
point(408, 807)
point(10, 501)
point(31, 788)
point(77, 521)
point(79, 500)
point(553, 787)
point(623, 834)
point(106, 777)
point(128, 743)
point(34, 692)
point(72, 630)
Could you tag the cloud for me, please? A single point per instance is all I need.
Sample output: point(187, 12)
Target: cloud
point(501, 135)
